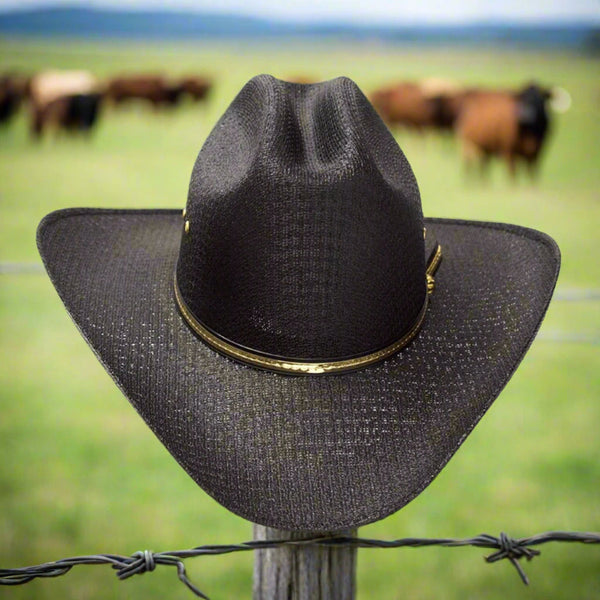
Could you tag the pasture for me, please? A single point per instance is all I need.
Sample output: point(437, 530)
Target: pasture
point(79, 471)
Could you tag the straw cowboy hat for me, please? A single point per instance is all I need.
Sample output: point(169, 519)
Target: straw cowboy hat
point(308, 347)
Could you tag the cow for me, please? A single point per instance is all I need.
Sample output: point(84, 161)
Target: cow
point(60, 98)
point(404, 104)
point(12, 93)
point(151, 88)
point(72, 112)
point(46, 86)
point(197, 88)
point(448, 104)
point(510, 125)
point(440, 95)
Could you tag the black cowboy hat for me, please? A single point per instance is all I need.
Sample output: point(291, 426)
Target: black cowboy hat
point(308, 347)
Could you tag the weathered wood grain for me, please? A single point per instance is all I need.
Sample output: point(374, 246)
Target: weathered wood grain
point(304, 573)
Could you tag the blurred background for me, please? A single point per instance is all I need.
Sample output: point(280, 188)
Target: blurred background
point(107, 104)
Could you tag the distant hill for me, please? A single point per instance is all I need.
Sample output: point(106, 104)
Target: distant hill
point(100, 23)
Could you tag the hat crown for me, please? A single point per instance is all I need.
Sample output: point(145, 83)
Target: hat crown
point(305, 235)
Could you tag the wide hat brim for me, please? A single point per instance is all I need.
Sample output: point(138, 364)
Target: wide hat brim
point(311, 453)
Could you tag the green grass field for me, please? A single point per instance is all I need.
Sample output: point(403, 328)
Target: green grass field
point(79, 471)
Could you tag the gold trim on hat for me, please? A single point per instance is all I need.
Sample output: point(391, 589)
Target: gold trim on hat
point(303, 367)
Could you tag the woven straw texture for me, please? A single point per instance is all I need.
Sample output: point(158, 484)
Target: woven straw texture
point(327, 268)
point(303, 212)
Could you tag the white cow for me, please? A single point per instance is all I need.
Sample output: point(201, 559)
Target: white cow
point(50, 85)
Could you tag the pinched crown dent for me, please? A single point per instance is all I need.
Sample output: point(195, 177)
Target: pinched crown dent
point(307, 238)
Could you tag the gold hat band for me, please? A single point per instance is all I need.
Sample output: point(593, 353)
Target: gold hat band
point(303, 367)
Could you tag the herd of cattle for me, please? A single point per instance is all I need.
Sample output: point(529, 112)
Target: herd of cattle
point(71, 100)
point(510, 124)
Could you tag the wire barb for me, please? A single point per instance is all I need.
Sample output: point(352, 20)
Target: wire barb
point(145, 561)
point(513, 550)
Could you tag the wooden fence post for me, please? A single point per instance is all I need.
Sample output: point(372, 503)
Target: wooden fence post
point(306, 572)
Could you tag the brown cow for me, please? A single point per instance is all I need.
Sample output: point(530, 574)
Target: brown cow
point(151, 88)
point(73, 113)
point(449, 104)
point(404, 104)
point(511, 125)
point(195, 87)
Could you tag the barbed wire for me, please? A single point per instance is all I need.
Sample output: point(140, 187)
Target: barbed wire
point(504, 546)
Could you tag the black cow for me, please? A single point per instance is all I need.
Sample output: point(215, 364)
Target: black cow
point(12, 93)
point(74, 113)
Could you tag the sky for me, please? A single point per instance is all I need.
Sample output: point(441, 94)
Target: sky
point(370, 11)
